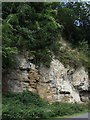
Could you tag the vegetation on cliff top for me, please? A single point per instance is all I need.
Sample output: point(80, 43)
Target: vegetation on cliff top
point(38, 27)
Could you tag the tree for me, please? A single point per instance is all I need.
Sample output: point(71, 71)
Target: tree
point(27, 26)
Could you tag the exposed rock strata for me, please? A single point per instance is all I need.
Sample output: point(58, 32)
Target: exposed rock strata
point(56, 83)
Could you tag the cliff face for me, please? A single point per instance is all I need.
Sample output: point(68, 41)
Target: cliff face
point(56, 83)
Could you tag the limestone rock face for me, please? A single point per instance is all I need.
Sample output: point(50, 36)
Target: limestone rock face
point(61, 82)
point(80, 79)
point(56, 83)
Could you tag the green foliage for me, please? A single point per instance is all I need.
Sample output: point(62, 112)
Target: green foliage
point(25, 98)
point(12, 19)
point(43, 56)
point(8, 48)
point(62, 109)
point(23, 105)
point(28, 105)
point(83, 47)
point(75, 19)
point(38, 27)
point(27, 29)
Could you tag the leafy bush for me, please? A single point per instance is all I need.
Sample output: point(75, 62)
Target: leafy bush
point(62, 109)
point(28, 105)
point(26, 98)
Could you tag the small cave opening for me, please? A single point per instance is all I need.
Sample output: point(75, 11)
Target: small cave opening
point(84, 93)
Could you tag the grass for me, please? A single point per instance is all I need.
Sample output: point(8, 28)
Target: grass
point(30, 105)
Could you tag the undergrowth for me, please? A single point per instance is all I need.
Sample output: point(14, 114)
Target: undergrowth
point(28, 105)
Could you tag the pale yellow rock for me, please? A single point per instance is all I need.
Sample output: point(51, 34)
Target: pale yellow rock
point(48, 82)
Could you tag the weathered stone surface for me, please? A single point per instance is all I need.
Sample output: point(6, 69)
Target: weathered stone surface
point(59, 80)
point(56, 83)
point(22, 62)
point(15, 86)
point(80, 79)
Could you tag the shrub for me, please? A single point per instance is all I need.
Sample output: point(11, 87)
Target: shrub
point(29, 105)
point(26, 98)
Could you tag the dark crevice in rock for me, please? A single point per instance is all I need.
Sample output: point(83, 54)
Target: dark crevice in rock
point(64, 92)
point(84, 95)
point(26, 81)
